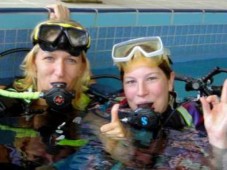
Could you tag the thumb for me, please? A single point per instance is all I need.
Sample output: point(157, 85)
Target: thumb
point(114, 113)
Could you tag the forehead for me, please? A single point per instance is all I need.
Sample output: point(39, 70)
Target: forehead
point(57, 53)
point(141, 62)
point(143, 71)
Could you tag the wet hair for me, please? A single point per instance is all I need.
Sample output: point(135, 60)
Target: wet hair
point(164, 66)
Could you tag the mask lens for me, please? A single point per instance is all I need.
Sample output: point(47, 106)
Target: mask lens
point(77, 37)
point(49, 33)
point(150, 46)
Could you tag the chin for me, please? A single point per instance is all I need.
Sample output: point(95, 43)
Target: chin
point(133, 107)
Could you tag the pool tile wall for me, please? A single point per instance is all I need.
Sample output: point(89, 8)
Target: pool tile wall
point(189, 34)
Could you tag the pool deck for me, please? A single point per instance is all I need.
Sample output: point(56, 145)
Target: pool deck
point(135, 4)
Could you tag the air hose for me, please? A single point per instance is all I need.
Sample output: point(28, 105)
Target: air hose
point(21, 95)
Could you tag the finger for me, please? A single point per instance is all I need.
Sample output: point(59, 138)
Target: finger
point(67, 13)
point(62, 12)
point(205, 106)
point(115, 133)
point(116, 137)
point(213, 99)
point(58, 11)
point(51, 11)
point(107, 127)
point(114, 119)
point(114, 113)
point(224, 92)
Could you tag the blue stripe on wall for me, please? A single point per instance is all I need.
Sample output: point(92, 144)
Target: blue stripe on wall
point(21, 20)
point(161, 18)
point(187, 18)
point(215, 18)
point(111, 17)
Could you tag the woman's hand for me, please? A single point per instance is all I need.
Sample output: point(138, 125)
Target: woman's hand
point(59, 12)
point(215, 118)
point(114, 129)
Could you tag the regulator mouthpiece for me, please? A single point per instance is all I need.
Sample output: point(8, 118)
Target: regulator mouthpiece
point(58, 98)
point(143, 117)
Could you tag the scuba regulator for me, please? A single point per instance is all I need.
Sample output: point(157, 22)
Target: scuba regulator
point(141, 118)
point(57, 98)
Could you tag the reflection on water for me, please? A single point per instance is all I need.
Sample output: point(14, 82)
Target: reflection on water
point(27, 143)
point(51, 139)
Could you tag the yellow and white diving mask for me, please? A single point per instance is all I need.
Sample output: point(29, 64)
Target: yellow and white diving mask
point(148, 46)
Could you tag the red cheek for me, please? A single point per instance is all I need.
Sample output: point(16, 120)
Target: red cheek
point(129, 93)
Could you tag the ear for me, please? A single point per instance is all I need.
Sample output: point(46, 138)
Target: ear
point(171, 81)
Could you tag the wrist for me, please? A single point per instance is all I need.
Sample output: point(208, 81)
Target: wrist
point(218, 142)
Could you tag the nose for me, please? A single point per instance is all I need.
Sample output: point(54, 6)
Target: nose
point(59, 69)
point(142, 89)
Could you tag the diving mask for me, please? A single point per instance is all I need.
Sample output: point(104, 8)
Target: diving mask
point(69, 37)
point(148, 46)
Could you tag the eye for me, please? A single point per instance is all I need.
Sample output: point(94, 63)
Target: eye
point(71, 60)
point(130, 82)
point(49, 58)
point(151, 78)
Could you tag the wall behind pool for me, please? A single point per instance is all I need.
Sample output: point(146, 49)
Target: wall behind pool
point(193, 36)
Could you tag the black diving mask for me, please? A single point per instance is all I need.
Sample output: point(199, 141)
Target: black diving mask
point(62, 36)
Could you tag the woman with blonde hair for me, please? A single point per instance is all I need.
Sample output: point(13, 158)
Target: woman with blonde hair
point(51, 36)
point(46, 128)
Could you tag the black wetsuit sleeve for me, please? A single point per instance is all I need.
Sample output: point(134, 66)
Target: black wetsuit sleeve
point(173, 120)
point(11, 106)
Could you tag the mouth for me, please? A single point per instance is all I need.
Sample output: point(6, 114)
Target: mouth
point(146, 105)
point(59, 84)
